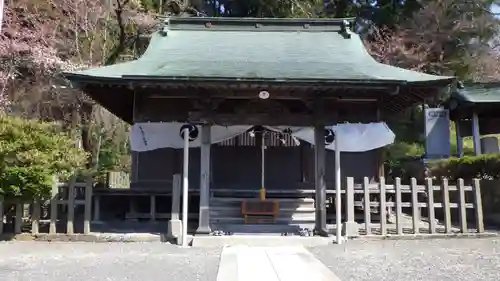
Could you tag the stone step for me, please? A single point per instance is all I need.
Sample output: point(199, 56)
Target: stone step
point(283, 212)
point(260, 241)
point(297, 220)
point(286, 203)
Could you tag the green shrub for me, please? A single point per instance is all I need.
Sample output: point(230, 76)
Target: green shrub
point(403, 160)
point(482, 167)
point(31, 154)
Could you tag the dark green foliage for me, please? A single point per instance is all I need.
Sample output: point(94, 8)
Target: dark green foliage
point(468, 167)
point(113, 157)
point(151, 5)
point(31, 154)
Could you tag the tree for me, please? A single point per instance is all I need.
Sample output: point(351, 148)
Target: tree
point(446, 37)
point(42, 38)
point(31, 154)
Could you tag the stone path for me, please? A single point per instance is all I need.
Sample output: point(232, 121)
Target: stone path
point(243, 263)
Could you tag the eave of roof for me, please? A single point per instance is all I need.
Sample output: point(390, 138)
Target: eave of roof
point(293, 52)
point(144, 80)
point(477, 93)
point(482, 98)
point(249, 49)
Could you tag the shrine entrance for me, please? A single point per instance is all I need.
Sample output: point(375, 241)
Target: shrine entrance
point(210, 72)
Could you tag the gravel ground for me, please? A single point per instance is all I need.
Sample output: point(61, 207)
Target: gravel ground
point(429, 260)
point(22, 261)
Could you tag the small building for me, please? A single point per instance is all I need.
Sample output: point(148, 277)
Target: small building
point(474, 109)
point(210, 71)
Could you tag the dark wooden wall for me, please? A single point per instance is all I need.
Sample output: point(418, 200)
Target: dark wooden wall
point(240, 166)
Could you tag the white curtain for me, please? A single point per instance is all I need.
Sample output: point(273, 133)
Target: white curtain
point(151, 136)
point(353, 137)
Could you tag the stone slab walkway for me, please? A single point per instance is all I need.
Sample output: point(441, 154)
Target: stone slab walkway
point(285, 263)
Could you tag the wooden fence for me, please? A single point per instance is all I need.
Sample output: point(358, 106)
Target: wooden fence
point(118, 180)
point(394, 209)
point(436, 200)
point(64, 196)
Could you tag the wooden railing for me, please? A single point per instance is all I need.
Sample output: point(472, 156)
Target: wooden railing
point(386, 208)
point(118, 180)
point(63, 194)
point(426, 197)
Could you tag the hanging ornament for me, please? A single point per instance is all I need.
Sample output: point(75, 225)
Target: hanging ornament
point(193, 131)
point(329, 136)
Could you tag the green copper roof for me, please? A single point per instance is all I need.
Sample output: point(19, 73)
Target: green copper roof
point(482, 98)
point(479, 93)
point(256, 49)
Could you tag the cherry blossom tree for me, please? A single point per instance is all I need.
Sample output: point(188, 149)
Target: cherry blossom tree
point(42, 38)
point(443, 37)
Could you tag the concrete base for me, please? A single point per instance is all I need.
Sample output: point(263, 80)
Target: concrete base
point(260, 241)
point(350, 229)
point(92, 237)
point(259, 229)
point(428, 236)
point(203, 231)
point(174, 230)
point(321, 232)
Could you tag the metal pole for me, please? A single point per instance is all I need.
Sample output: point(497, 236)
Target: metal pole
point(337, 188)
point(185, 186)
point(262, 150)
point(262, 191)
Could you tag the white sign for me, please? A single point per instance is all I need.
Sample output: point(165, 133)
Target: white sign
point(437, 133)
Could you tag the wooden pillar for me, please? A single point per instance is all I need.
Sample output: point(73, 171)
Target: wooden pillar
point(174, 230)
point(54, 202)
point(475, 134)
point(478, 206)
point(303, 165)
point(204, 215)
point(135, 167)
point(71, 206)
point(383, 208)
point(350, 228)
point(97, 208)
point(1, 215)
point(133, 208)
point(176, 197)
point(88, 205)
point(320, 184)
point(460, 141)
point(307, 164)
point(381, 152)
point(35, 221)
point(152, 208)
point(19, 218)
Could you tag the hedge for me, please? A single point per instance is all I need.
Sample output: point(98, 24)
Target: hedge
point(468, 167)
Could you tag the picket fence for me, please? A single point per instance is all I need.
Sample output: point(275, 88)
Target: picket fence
point(428, 197)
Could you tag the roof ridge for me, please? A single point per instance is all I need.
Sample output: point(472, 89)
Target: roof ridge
point(342, 25)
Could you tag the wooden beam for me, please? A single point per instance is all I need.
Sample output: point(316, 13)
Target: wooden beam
point(381, 154)
point(263, 118)
point(476, 136)
point(204, 215)
point(320, 169)
point(460, 140)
